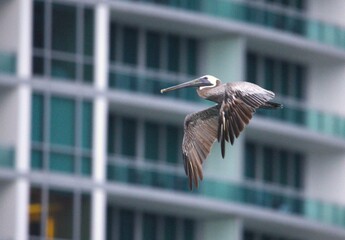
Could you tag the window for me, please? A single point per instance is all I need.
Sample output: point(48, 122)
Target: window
point(124, 223)
point(60, 220)
point(61, 134)
point(257, 235)
point(146, 60)
point(63, 41)
point(281, 167)
point(160, 142)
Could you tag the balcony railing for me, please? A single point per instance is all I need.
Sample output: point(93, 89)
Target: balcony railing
point(7, 63)
point(314, 120)
point(6, 157)
point(284, 203)
point(264, 15)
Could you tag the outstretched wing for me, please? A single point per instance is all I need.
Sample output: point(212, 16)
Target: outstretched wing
point(200, 132)
point(241, 99)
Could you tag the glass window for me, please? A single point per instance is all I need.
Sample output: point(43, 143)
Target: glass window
point(88, 31)
point(60, 162)
point(299, 84)
point(62, 121)
point(38, 22)
point(170, 228)
point(127, 225)
point(88, 73)
point(113, 42)
point(188, 229)
point(285, 72)
point(130, 45)
point(269, 73)
point(248, 235)
point(268, 165)
point(64, 29)
point(38, 66)
point(192, 57)
point(35, 210)
point(86, 166)
point(153, 50)
point(85, 217)
point(283, 168)
point(298, 169)
point(86, 130)
point(250, 161)
point(111, 134)
point(63, 69)
point(128, 136)
point(172, 142)
point(37, 118)
point(174, 46)
point(151, 141)
point(60, 215)
point(252, 68)
point(149, 226)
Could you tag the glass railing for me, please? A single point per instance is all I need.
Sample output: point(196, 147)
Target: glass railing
point(263, 15)
point(7, 63)
point(139, 83)
point(314, 120)
point(284, 203)
point(6, 157)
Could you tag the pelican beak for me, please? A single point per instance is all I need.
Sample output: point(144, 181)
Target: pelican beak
point(199, 82)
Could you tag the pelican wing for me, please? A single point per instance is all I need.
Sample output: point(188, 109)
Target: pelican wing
point(241, 99)
point(200, 132)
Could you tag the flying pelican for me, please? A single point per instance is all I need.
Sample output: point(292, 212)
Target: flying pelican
point(236, 104)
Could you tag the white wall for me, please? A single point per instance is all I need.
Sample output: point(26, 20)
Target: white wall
point(326, 87)
point(8, 119)
point(9, 25)
point(331, 11)
point(325, 177)
point(7, 210)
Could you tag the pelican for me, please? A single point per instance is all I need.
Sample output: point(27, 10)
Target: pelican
point(236, 103)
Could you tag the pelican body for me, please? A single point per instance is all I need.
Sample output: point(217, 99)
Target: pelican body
point(236, 103)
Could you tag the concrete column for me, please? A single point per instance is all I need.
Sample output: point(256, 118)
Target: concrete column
point(225, 59)
point(100, 121)
point(222, 229)
point(24, 118)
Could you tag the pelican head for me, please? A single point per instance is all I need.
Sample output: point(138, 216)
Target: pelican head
point(206, 81)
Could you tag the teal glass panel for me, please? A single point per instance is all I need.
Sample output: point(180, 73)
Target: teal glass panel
point(38, 66)
point(252, 68)
point(86, 166)
point(153, 49)
point(87, 73)
point(113, 42)
point(192, 57)
point(7, 63)
point(170, 228)
point(130, 45)
point(172, 144)
point(6, 157)
point(59, 162)
point(151, 141)
point(126, 227)
point(149, 226)
point(283, 168)
point(88, 31)
point(38, 24)
point(64, 27)
point(249, 235)
point(86, 131)
point(62, 121)
point(60, 211)
point(268, 170)
point(128, 137)
point(37, 118)
point(123, 81)
point(299, 85)
point(250, 161)
point(174, 46)
point(36, 159)
point(189, 229)
point(63, 69)
point(269, 65)
point(111, 134)
point(285, 79)
point(298, 169)
point(85, 216)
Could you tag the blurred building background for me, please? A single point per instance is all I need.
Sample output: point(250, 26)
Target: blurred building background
point(90, 149)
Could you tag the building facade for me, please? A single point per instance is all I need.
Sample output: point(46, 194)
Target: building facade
point(90, 149)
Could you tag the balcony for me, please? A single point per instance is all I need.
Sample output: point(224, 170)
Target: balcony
point(174, 180)
point(6, 157)
point(7, 63)
point(254, 13)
